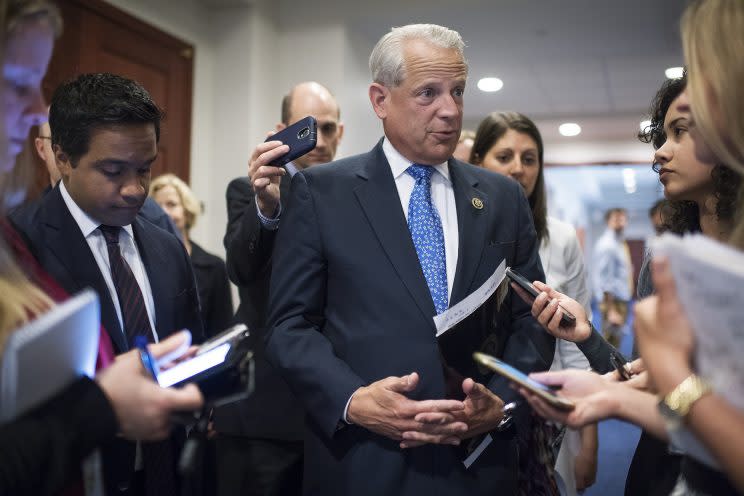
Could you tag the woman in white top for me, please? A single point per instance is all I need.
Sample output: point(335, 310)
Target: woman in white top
point(510, 144)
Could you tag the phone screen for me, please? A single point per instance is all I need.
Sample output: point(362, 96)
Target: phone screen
point(518, 377)
point(193, 366)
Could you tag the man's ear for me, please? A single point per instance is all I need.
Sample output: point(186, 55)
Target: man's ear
point(379, 95)
point(340, 130)
point(64, 164)
point(39, 145)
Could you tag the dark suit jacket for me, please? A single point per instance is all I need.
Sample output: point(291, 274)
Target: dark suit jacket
point(55, 239)
point(214, 290)
point(272, 411)
point(350, 306)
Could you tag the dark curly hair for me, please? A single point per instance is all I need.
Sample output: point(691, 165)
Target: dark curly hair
point(91, 101)
point(680, 216)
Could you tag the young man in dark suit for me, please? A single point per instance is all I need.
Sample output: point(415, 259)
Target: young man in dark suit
point(86, 232)
point(260, 440)
point(371, 248)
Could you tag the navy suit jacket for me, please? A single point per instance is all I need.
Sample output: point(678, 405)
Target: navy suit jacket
point(272, 412)
point(56, 241)
point(350, 306)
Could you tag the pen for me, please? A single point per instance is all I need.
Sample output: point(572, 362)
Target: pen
point(148, 362)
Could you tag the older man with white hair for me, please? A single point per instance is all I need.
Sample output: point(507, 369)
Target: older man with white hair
point(371, 248)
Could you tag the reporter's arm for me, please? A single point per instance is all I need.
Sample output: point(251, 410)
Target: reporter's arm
point(53, 439)
point(720, 427)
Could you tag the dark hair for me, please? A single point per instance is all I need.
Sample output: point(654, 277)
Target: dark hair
point(90, 101)
point(490, 131)
point(608, 213)
point(655, 133)
point(657, 207)
point(682, 216)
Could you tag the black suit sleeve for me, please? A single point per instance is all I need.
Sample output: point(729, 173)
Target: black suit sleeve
point(295, 344)
point(219, 308)
point(42, 450)
point(529, 347)
point(248, 245)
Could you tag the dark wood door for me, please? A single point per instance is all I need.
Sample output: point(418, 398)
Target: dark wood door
point(98, 37)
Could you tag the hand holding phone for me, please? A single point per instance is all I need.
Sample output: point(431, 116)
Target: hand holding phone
point(301, 137)
point(567, 318)
point(521, 379)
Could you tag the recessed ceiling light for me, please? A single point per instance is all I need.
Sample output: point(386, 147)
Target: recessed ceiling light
point(644, 125)
point(490, 84)
point(674, 72)
point(569, 129)
point(629, 180)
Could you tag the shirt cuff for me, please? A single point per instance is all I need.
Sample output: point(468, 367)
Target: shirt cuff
point(272, 224)
point(345, 419)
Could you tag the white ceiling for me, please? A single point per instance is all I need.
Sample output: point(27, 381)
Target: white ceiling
point(595, 62)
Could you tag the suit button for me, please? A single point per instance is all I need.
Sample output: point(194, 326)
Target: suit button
point(251, 246)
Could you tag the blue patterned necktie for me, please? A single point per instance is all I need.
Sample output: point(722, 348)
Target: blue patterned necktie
point(428, 237)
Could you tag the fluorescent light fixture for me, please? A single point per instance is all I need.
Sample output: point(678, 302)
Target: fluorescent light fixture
point(569, 129)
point(629, 180)
point(645, 124)
point(674, 72)
point(490, 84)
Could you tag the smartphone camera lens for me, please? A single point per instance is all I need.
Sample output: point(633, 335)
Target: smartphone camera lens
point(304, 133)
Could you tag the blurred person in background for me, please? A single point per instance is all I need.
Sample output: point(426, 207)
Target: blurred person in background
point(464, 145)
point(179, 202)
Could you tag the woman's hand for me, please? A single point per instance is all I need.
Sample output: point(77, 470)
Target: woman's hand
point(547, 312)
point(665, 336)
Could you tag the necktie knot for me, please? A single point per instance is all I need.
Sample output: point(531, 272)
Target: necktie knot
point(420, 172)
point(110, 233)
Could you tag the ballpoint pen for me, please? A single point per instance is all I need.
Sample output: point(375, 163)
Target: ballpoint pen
point(148, 362)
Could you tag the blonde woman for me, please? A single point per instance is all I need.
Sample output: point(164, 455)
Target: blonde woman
point(42, 450)
point(713, 40)
point(179, 202)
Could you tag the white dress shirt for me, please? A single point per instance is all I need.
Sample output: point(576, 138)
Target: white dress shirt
point(442, 196)
point(96, 241)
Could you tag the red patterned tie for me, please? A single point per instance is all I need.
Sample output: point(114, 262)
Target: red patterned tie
point(133, 310)
point(159, 460)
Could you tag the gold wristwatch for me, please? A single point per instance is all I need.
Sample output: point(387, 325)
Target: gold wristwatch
point(675, 406)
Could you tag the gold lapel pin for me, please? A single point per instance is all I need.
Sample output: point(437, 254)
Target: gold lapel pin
point(477, 203)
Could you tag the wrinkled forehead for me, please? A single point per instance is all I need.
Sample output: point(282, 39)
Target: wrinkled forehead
point(423, 59)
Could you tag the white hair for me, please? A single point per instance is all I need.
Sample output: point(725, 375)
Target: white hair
point(386, 63)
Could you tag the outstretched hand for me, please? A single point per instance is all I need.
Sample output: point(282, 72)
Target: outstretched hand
point(590, 392)
point(143, 409)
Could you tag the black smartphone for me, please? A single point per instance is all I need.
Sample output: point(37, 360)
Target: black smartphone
point(619, 362)
point(302, 136)
point(522, 379)
point(567, 318)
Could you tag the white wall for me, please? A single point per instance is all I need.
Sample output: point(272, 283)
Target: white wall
point(248, 56)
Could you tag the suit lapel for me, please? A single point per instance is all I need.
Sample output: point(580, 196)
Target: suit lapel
point(65, 241)
point(472, 226)
point(380, 202)
point(152, 256)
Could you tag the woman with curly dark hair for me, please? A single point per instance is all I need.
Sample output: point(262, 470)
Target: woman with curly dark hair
point(701, 196)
